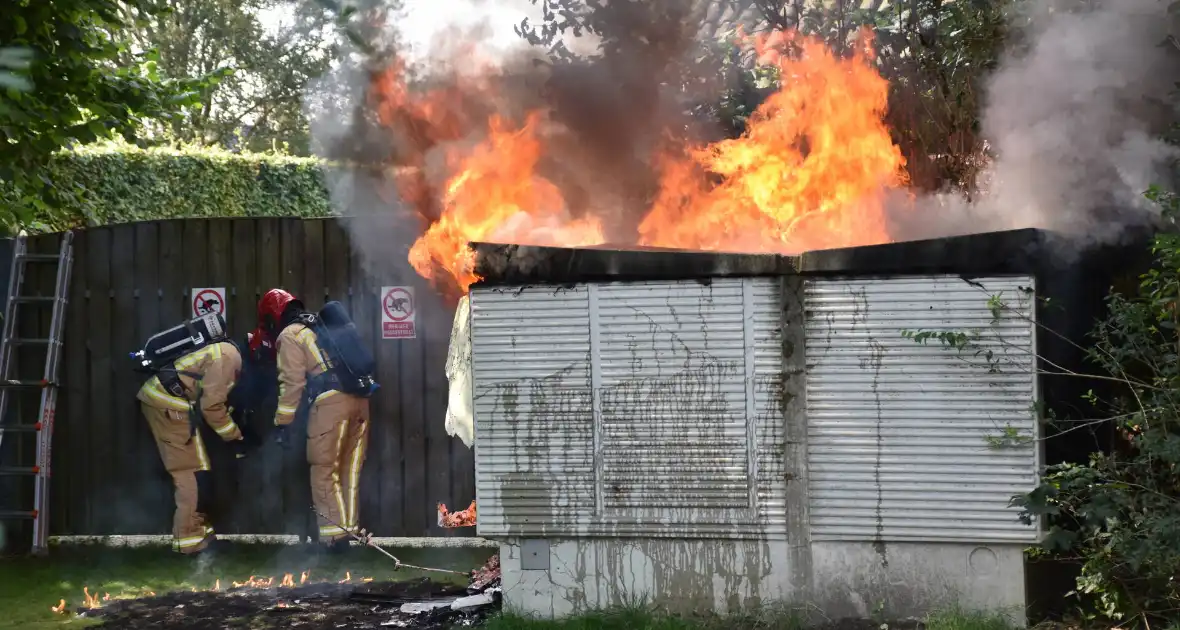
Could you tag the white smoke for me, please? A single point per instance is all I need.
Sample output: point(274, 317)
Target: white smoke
point(1074, 122)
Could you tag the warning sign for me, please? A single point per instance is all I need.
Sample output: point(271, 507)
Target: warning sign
point(398, 313)
point(209, 300)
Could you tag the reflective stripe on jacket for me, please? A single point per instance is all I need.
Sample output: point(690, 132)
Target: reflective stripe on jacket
point(299, 357)
point(219, 365)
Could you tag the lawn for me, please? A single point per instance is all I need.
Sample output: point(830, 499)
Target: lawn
point(29, 587)
point(770, 619)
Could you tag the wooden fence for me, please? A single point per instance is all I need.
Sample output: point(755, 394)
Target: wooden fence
point(132, 280)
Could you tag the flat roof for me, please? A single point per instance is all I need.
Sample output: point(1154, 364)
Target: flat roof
point(1007, 252)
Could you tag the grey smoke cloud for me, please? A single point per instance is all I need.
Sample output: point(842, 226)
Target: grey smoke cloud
point(1073, 118)
point(1074, 124)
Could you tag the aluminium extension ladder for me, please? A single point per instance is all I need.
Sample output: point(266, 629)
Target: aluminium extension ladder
point(48, 385)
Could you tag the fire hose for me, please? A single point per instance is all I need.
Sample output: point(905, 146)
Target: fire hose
point(366, 539)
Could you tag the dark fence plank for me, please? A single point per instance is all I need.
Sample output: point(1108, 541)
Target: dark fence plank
point(127, 426)
point(97, 267)
point(151, 481)
point(434, 329)
point(243, 309)
point(75, 426)
point(382, 460)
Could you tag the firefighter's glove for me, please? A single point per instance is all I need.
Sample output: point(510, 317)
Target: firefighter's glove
point(239, 448)
point(283, 436)
point(249, 436)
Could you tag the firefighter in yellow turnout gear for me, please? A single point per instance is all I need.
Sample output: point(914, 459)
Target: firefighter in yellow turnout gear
point(337, 422)
point(206, 377)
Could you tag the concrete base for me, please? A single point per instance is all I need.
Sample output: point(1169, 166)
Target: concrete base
point(556, 578)
point(684, 575)
point(904, 580)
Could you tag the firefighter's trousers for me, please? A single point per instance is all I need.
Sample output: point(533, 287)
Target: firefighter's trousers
point(188, 463)
point(337, 437)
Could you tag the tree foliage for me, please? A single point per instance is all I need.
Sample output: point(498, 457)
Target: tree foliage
point(78, 81)
point(264, 72)
point(1120, 513)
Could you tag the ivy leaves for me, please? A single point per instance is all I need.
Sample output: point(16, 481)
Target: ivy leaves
point(61, 86)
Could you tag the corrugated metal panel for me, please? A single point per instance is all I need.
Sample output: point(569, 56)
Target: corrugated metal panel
point(901, 436)
point(669, 397)
point(534, 434)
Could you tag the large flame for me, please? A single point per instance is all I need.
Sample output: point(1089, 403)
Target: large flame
point(809, 172)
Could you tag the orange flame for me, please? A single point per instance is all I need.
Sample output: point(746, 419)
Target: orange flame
point(347, 577)
point(463, 518)
point(90, 601)
point(288, 581)
point(60, 608)
point(497, 194)
point(810, 171)
point(256, 582)
point(217, 585)
point(304, 576)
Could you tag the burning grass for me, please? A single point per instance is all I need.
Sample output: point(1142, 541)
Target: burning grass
point(30, 589)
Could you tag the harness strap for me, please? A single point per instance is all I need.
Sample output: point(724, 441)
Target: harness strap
point(170, 381)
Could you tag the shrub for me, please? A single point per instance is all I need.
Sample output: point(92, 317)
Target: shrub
point(1120, 513)
point(120, 183)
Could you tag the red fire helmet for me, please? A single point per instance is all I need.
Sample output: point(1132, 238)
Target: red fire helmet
point(271, 307)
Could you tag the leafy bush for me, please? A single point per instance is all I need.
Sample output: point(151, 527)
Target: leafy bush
point(119, 183)
point(1120, 513)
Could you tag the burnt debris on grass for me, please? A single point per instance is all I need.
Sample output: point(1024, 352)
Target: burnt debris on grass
point(313, 606)
point(421, 603)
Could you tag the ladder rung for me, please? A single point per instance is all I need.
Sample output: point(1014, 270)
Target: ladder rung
point(34, 299)
point(29, 340)
point(20, 428)
point(19, 470)
point(10, 383)
point(40, 257)
point(9, 514)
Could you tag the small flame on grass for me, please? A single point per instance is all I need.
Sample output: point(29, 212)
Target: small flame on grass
point(304, 576)
point(106, 597)
point(91, 601)
point(281, 605)
point(256, 582)
point(347, 577)
point(60, 608)
point(217, 585)
point(366, 580)
point(288, 581)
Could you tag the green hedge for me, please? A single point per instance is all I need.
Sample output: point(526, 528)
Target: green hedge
point(118, 184)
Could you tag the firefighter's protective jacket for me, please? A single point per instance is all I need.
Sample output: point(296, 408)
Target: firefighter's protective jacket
point(218, 365)
point(299, 357)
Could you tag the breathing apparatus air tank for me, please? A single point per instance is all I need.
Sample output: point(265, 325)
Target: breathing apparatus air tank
point(352, 361)
point(165, 347)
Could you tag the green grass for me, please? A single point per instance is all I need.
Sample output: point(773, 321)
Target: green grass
point(29, 587)
point(639, 618)
point(959, 619)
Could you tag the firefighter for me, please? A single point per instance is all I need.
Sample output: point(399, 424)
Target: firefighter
point(337, 422)
point(203, 379)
